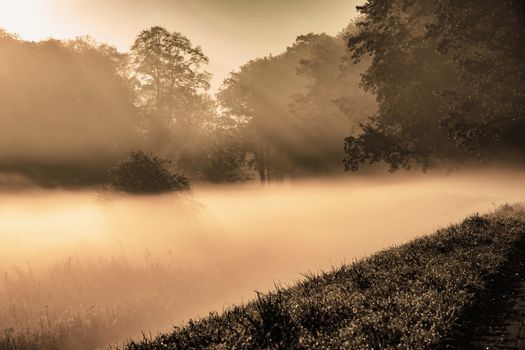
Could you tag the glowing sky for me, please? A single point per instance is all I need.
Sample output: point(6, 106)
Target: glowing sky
point(230, 31)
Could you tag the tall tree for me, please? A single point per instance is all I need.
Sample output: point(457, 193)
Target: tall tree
point(333, 103)
point(485, 113)
point(294, 109)
point(256, 100)
point(448, 78)
point(170, 82)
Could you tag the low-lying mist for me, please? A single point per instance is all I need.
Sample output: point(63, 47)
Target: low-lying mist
point(106, 267)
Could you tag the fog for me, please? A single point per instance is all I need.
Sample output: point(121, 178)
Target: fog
point(69, 110)
point(161, 260)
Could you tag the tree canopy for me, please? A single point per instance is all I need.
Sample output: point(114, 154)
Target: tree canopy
point(167, 69)
point(171, 95)
point(294, 109)
point(66, 111)
point(449, 82)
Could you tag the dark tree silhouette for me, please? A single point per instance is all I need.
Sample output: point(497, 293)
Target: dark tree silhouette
point(169, 76)
point(171, 94)
point(146, 174)
point(449, 82)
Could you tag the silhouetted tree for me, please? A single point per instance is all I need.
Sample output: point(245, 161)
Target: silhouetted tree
point(171, 94)
point(170, 81)
point(227, 159)
point(146, 174)
point(485, 113)
point(449, 82)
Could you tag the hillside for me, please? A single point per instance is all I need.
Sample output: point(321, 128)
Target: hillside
point(414, 296)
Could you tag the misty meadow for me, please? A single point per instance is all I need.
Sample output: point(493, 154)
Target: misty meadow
point(262, 175)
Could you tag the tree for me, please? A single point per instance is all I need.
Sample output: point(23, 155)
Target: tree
point(66, 114)
point(171, 90)
point(448, 78)
point(485, 113)
point(333, 103)
point(293, 110)
point(226, 157)
point(146, 174)
point(170, 79)
point(255, 99)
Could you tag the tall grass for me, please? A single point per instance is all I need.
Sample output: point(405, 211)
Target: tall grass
point(88, 303)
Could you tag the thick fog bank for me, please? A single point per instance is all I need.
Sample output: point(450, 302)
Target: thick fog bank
point(188, 254)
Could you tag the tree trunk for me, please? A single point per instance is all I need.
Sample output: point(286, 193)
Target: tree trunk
point(267, 162)
point(262, 167)
point(262, 174)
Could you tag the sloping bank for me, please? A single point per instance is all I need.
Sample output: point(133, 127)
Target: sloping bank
point(407, 297)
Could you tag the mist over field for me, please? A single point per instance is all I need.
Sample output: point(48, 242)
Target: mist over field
point(160, 160)
point(135, 263)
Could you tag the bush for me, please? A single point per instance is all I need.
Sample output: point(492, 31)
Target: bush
point(226, 163)
point(146, 174)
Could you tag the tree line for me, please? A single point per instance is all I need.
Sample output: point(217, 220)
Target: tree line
point(75, 108)
point(409, 83)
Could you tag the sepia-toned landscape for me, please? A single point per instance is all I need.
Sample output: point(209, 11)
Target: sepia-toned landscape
point(229, 174)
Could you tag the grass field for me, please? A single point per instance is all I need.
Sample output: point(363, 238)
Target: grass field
point(87, 303)
point(406, 297)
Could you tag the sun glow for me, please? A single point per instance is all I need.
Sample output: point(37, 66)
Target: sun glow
point(231, 32)
point(31, 19)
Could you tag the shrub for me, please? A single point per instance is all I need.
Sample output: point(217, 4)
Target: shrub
point(146, 174)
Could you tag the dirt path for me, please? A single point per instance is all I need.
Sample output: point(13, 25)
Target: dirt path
point(498, 321)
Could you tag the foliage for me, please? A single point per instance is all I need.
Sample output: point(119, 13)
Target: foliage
point(293, 110)
point(169, 79)
point(380, 141)
point(226, 159)
point(408, 297)
point(255, 99)
point(331, 106)
point(167, 65)
point(171, 94)
point(66, 112)
point(448, 78)
point(485, 39)
point(146, 174)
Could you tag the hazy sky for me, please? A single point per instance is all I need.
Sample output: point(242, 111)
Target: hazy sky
point(230, 31)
